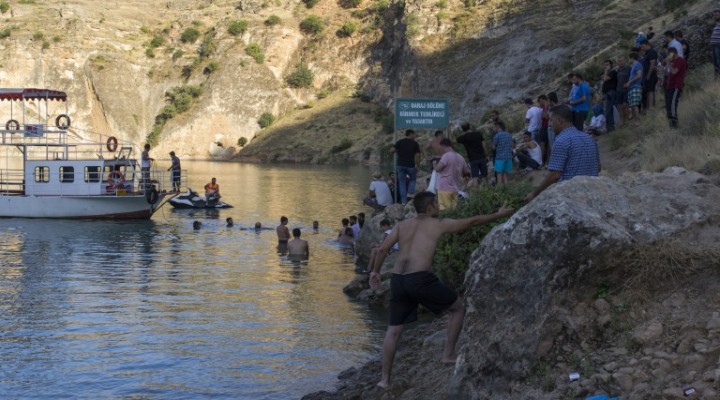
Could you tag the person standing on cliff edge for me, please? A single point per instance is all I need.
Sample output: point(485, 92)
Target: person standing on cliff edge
point(412, 283)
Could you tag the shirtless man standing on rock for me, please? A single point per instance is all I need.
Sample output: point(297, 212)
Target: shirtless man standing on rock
point(412, 283)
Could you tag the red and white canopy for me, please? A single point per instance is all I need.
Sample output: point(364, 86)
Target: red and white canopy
point(32, 94)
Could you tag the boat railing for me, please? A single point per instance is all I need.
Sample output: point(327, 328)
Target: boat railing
point(79, 183)
point(12, 181)
point(46, 142)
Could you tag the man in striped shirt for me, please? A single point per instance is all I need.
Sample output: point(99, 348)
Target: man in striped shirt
point(575, 153)
point(715, 42)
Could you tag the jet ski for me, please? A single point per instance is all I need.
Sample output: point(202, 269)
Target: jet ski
point(191, 199)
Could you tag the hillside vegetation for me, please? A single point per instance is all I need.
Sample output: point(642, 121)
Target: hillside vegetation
point(119, 61)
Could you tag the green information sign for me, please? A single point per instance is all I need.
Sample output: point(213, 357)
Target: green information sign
point(422, 113)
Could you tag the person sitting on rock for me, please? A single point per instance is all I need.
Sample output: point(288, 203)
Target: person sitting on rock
point(379, 195)
point(528, 153)
point(598, 123)
point(386, 229)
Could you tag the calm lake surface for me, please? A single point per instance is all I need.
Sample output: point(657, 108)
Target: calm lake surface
point(153, 309)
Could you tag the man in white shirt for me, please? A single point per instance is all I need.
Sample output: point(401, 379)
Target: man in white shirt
point(379, 195)
point(533, 118)
point(672, 42)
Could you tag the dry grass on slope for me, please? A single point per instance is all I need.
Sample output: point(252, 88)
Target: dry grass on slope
point(339, 128)
point(694, 146)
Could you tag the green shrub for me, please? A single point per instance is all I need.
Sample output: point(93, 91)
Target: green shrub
point(176, 94)
point(167, 113)
point(441, 4)
point(350, 3)
point(255, 51)
point(5, 33)
point(348, 29)
point(180, 99)
point(187, 71)
point(190, 35)
point(177, 54)
point(360, 14)
point(149, 53)
point(56, 39)
point(266, 119)
point(144, 29)
point(211, 67)
point(157, 41)
point(312, 24)
point(412, 24)
point(45, 45)
point(38, 36)
point(360, 94)
point(208, 46)
point(237, 28)
point(310, 3)
point(302, 77)
point(4, 7)
point(273, 20)
point(343, 145)
point(453, 252)
point(379, 6)
point(154, 135)
point(242, 141)
point(322, 94)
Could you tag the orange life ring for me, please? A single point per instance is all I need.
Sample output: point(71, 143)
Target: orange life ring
point(112, 144)
point(116, 179)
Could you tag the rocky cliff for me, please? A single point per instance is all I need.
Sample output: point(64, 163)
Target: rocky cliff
point(610, 279)
point(117, 60)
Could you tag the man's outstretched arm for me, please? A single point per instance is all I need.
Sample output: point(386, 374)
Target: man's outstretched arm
point(448, 225)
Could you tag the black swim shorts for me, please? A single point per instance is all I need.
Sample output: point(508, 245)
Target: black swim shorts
point(282, 242)
point(407, 291)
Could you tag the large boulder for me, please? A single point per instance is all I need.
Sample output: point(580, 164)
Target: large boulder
point(528, 275)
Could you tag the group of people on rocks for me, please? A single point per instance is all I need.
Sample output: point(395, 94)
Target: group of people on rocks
point(628, 85)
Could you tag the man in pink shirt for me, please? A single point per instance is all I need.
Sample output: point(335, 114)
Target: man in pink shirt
point(450, 170)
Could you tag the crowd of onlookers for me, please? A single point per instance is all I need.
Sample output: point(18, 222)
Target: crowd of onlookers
point(622, 94)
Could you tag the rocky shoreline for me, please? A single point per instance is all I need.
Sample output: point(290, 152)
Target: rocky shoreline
point(611, 279)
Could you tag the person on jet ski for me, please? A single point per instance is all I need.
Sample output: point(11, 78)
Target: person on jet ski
point(212, 191)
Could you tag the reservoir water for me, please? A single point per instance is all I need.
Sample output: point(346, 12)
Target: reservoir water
point(153, 309)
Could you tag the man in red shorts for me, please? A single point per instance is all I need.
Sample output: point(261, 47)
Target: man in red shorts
point(412, 283)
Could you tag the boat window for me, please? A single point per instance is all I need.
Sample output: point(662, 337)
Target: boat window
point(92, 174)
point(110, 168)
point(42, 174)
point(67, 174)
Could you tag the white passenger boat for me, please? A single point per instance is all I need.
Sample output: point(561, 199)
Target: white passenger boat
point(50, 171)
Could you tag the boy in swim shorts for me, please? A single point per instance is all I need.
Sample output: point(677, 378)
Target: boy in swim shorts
point(412, 283)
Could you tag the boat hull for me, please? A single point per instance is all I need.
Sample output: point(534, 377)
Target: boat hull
point(78, 207)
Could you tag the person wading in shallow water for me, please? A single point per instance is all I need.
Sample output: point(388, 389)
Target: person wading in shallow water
point(412, 283)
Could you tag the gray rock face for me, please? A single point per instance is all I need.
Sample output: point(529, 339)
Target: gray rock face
point(371, 234)
point(528, 274)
